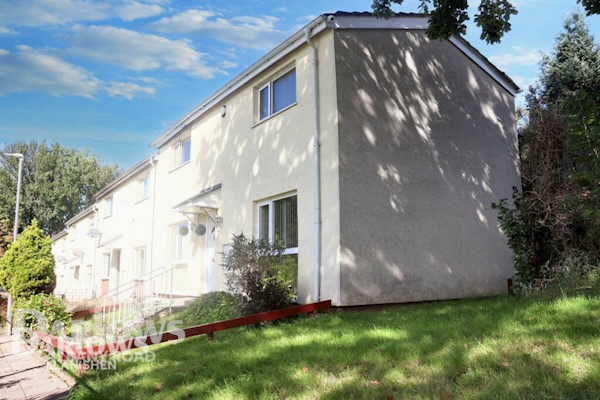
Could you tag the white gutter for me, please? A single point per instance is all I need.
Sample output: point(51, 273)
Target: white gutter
point(317, 166)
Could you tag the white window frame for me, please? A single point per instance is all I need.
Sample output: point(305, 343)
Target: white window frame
point(271, 233)
point(107, 260)
point(144, 188)
point(139, 270)
point(177, 244)
point(269, 85)
point(178, 152)
point(109, 207)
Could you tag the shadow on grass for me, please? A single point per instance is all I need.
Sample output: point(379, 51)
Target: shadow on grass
point(499, 347)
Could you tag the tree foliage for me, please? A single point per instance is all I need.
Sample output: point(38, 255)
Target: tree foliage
point(27, 267)
point(558, 212)
point(57, 183)
point(449, 17)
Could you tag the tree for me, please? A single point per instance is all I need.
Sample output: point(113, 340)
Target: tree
point(27, 267)
point(449, 17)
point(58, 182)
point(558, 213)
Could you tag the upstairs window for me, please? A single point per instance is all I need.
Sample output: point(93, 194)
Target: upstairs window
point(144, 188)
point(182, 152)
point(277, 95)
point(278, 222)
point(108, 210)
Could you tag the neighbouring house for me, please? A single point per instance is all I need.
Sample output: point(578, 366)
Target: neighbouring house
point(371, 151)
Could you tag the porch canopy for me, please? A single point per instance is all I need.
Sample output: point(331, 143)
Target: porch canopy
point(209, 198)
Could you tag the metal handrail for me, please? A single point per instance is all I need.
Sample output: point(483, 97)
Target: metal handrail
point(126, 309)
point(126, 286)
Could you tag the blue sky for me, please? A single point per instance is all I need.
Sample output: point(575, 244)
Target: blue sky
point(112, 76)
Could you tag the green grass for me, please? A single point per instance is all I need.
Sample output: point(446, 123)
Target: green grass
point(501, 347)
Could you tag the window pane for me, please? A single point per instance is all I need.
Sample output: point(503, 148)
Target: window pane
point(284, 91)
point(263, 103)
point(286, 221)
point(263, 222)
point(145, 188)
point(185, 150)
point(107, 265)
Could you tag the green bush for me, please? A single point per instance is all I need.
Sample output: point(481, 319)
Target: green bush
point(260, 274)
point(212, 307)
point(55, 321)
point(514, 224)
point(28, 265)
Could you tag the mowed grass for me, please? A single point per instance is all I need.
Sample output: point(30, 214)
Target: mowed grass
point(500, 347)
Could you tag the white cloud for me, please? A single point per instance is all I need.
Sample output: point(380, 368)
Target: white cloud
point(130, 11)
point(139, 52)
point(228, 64)
point(244, 31)
point(519, 57)
point(53, 12)
point(128, 90)
point(4, 31)
point(32, 70)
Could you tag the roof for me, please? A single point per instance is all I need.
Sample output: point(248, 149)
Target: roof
point(131, 172)
point(337, 20)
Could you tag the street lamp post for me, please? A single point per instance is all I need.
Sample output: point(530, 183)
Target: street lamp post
point(19, 156)
point(16, 225)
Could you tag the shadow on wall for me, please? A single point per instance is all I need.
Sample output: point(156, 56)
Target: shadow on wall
point(427, 143)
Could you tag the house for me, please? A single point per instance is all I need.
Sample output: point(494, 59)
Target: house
point(371, 151)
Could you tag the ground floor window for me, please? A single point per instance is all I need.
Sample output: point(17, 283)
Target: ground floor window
point(278, 222)
point(179, 243)
point(106, 260)
point(139, 264)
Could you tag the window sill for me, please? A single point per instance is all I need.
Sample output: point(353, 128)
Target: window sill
point(106, 278)
point(274, 115)
point(179, 263)
point(180, 166)
point(108, 216)
point(142, 200)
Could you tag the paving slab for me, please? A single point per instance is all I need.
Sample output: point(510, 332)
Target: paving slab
point(24, 376)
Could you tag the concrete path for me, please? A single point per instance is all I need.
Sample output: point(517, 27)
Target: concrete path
point(25, 376)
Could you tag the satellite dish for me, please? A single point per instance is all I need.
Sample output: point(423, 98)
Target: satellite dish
point(61, 259)
point(93, 233)
point(183, 230)
point(200, 230)
point(78, 252)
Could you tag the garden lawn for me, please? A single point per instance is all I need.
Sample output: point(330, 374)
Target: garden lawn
point(501, 347)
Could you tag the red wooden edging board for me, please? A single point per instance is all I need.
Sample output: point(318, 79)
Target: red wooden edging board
point(77, 353)
point(95, 310)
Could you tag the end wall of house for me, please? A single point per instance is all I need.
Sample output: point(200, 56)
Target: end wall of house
point(427, 142)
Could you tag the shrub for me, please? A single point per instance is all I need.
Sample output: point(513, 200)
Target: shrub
point(212, 307)
point(258, 272)
point(515, 226)
point(28, 265)
point(55, 319)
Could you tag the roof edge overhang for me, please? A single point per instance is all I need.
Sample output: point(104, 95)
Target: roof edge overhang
point(420, 22)
point(338, 20)
point(124, 177)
